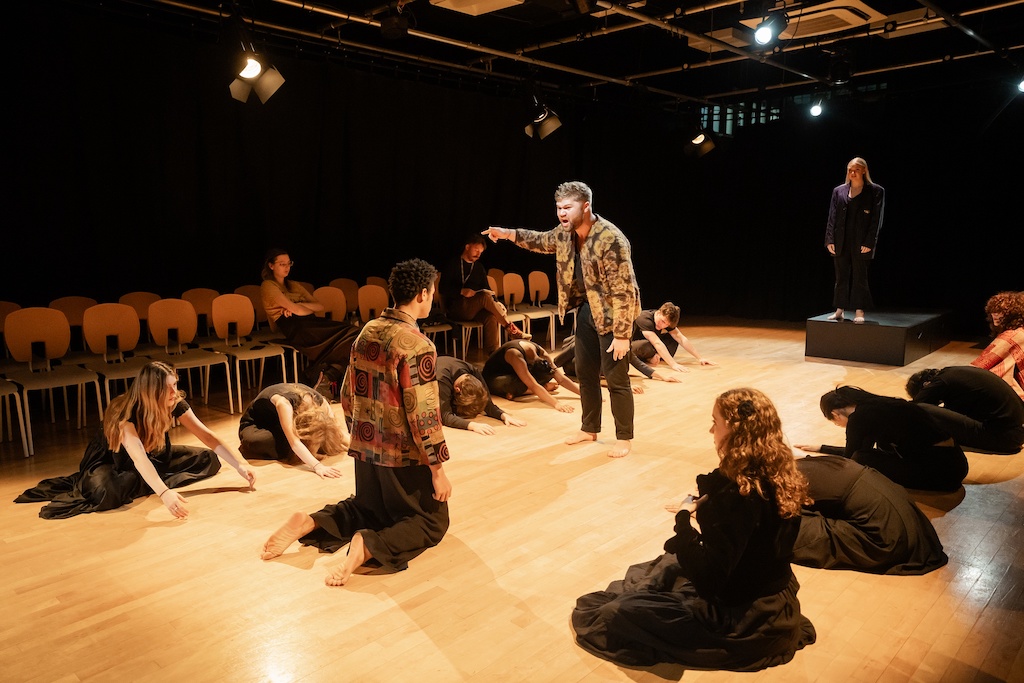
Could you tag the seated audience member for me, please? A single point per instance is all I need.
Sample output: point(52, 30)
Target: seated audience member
point(463, 395)
point(293, 422)
point(133, 457)
point(978, 408)
point(656, 337)
point(723, 596)
point(859, 519)
point(522, 367)
point(466, 295)
point(291, 309)
point(1005, 355)
point(895, 437)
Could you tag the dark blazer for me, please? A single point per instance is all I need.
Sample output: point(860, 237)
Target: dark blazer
point(864, 226)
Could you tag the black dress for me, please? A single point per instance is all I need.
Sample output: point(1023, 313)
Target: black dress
point(898, 439)
point(106, 479)
point(260, 434)
point(722, 598)
point(862, 520)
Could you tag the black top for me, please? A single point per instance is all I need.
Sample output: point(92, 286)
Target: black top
point(450, 369)
point(459, 275)
point(976, 393)
point(891, 425)
point(263, 413)
point(743, 549)
point(496, 365)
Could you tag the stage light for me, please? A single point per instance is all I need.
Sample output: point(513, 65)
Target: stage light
point(771, 27)
point(544, 122)
point(1020, 86)
point(816, 109)
point(254, 72)
point(841, 69)
point(700, 143)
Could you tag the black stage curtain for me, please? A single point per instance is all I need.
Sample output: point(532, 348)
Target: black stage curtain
point(129, 167)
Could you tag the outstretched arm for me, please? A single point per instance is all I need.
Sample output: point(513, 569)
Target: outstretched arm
point(211, 441)
point(685, 343)
point(286, 416)
point(518, 363)
point(174, 503)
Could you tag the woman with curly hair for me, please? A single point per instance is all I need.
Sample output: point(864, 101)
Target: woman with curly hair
point(1005, 355)
point(895, 437)
point(723, 597)
point(293, 421)
point(133, 457)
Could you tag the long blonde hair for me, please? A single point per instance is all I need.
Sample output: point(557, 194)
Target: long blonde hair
point(859, 161)
point(755, 454)
point(144, 405)
point(323, 432)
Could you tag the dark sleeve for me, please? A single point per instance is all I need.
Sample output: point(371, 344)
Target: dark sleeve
point(643, 367)
point(709, 558)
point(834, 450)
point(859, 433)
point(830, 226)
point(180, 409)
point(877, 211)
point(490, 410)
point(932, 393)
point(445, 388)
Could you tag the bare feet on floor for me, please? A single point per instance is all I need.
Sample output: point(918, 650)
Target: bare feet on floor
point(581, 437)
point(621, 450)
point(297, 526)
point(357, 556)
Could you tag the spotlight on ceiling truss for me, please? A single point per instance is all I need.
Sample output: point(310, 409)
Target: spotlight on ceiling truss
point(544, 122)
point(771, 27)
point(254, 72)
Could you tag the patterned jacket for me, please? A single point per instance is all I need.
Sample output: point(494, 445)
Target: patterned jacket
point(1005, 357)
point(390, 391)
point(607, 271)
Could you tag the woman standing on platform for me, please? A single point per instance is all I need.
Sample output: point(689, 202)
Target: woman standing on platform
point(895, 437)
point(290, 309)
point(723, 597)
point(133, 457)
point(854, 220)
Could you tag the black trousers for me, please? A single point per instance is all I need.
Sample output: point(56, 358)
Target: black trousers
point(593, 359)
point(852, 289)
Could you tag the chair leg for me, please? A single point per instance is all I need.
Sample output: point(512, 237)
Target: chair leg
point(28, 422)
point(25, 441)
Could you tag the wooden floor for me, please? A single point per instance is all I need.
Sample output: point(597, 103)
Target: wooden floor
point(132, 595)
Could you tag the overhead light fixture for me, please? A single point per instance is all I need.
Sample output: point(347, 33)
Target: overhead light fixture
point(771, 27)
point(545, 121)
point(700, 143)
point(253, 72)
point(1020, 86)
point(816, 108)
point(841, 69)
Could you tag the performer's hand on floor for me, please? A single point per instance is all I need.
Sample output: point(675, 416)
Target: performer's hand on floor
point(326, 472)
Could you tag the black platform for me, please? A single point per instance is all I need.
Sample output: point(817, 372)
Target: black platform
point(888, 338)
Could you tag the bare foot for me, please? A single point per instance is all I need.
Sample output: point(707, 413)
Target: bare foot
point(297, 526)
point(357, 556)
point(621, 450)
point(580, 437)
